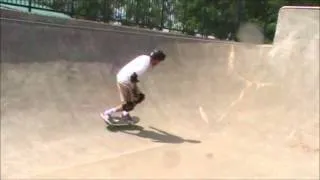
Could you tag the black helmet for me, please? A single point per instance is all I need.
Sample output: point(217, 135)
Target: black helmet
point(158, 55)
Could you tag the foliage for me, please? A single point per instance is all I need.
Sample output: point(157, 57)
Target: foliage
point(219, 18)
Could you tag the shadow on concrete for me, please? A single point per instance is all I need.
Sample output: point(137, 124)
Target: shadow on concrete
point(156, 135)
point(124, 128)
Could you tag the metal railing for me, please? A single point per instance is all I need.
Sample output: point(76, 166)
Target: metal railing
point(159, 14)
point(205, 17)
point(33, 4)
point(148, 13)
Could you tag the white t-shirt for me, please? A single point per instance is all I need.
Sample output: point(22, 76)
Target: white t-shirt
point(138, 65)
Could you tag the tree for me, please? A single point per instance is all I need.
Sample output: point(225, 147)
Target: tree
point(146, 13)
point(219, 18)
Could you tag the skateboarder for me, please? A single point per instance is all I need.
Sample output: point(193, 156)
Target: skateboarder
point(127, 79)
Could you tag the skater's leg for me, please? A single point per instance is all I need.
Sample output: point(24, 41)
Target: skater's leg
point(128, 100)
point(113, 110)
point(126, 96)
point(130, 97)
point(125, 113)
point(138, 95)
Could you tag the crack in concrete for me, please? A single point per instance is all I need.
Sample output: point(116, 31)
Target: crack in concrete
point(203, 115)
point(105, 157)
point(249, 84)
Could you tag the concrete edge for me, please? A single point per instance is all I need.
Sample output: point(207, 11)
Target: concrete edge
point(21, 17)
point(300, 7)
point(10, 14)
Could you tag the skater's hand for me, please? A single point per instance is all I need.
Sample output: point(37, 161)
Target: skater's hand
point(134, 78)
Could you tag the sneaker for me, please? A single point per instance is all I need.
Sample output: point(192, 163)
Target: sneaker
point(127, 118)
point(106, 116)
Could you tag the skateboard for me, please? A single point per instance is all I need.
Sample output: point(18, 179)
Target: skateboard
point(118, 121)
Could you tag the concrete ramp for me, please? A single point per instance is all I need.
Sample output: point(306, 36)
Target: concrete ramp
point(214, 109)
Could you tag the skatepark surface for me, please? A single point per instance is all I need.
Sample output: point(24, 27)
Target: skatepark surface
point(213, 109)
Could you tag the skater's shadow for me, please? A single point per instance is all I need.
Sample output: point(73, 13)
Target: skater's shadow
point(159, 136)
point(124, 128)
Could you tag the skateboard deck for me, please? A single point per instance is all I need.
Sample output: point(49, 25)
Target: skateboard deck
point(118, 121)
